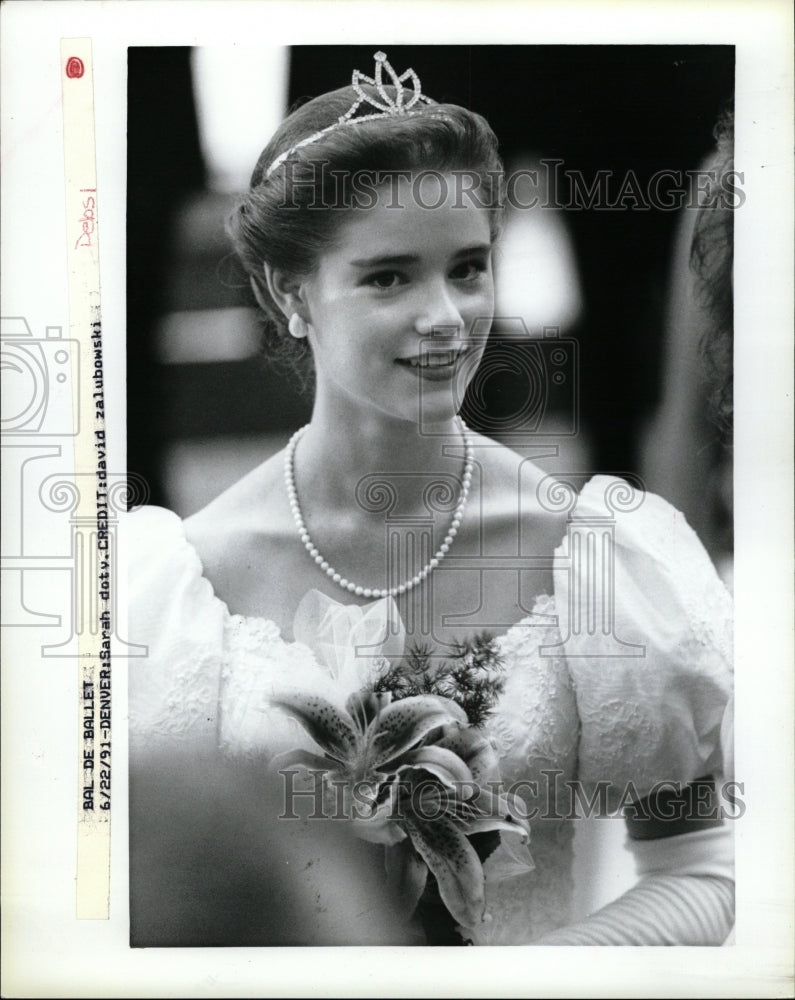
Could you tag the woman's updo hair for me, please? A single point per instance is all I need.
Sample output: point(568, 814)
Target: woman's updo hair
point(290, 215)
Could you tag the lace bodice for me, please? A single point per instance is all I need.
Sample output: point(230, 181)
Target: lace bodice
point(575, 706)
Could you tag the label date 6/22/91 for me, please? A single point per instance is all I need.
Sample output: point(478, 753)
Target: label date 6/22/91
point(103, 775)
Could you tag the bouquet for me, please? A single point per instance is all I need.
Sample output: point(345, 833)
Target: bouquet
point(402, 747)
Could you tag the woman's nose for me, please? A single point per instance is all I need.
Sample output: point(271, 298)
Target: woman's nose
point(439, 315)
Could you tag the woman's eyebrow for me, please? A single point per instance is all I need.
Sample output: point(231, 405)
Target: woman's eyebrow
point(380, 261)
point(474, 249)
point(395, 260)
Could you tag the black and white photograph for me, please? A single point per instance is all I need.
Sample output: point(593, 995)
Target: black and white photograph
point(484, 366)
point(418, 519)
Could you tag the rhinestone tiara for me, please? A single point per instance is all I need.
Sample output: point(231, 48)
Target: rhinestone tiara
point(387, 107)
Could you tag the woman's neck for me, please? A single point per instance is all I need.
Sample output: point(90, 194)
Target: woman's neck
point(338, 462)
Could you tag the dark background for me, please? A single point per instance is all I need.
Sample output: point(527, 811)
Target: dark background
point(643, 108)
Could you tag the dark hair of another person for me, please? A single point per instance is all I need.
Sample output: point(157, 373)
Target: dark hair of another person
point(712, 260)
point(291, 217)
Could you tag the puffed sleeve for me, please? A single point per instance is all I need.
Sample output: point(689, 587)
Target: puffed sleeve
point(174, 614)
point(647, 634)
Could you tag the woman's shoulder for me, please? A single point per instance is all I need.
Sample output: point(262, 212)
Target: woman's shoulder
point(646, 627)
point(243, 539)
point(244, 507)
point(513, 489)
point(188, 558)
point(644, 621)
point(154, 545)
point(644, 536)
point(250, 506)
point(516, 487)
point(165, 575)
point(654, 569)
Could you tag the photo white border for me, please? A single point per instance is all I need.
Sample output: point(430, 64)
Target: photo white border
point(46, 950)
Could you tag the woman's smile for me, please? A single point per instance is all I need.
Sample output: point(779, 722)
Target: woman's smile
point(435, 365)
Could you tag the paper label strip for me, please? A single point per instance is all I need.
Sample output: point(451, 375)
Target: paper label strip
point(85, 325)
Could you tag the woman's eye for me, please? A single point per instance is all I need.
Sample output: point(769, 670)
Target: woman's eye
point(386, 280)
point(469, 270)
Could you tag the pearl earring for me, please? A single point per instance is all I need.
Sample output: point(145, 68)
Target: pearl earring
point(297, 327)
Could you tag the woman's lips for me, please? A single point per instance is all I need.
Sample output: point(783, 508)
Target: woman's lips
point(433, 364)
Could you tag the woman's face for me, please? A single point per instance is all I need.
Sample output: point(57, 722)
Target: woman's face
point(393, 304)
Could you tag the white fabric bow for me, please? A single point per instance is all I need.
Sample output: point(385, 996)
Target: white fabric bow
point(352, 642)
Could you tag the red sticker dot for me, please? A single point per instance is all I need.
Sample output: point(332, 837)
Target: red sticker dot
point(74, 67)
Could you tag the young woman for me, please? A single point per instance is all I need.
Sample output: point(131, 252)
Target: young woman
point(368, 235)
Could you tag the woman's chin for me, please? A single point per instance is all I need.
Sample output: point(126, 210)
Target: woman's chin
point(437, 403)
point(435, 420)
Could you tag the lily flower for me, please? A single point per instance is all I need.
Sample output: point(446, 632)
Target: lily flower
point(367, 739)
point(425, 799)
point(437, 803)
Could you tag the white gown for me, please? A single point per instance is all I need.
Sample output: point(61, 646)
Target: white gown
point(585, 710)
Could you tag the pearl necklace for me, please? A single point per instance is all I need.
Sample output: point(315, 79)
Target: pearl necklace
point(336, 577)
